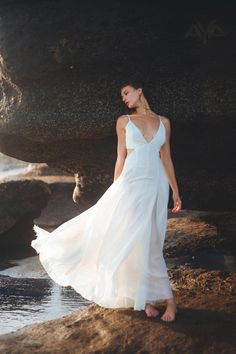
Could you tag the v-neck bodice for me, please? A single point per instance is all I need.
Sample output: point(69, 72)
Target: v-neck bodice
point(134, 136)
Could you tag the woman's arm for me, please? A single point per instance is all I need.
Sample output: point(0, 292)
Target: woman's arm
point(121, 146)
point(166, 159)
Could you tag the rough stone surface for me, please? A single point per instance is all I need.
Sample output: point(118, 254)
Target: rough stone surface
point(192, 231)
point(205, 323)
point(21, 202)
point(60, 95)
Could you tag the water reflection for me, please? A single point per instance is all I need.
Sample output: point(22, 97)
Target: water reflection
point(26, 301)
point(28, 295)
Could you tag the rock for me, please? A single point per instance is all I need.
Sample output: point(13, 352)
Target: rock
point(201, 281)
point(61, 96)
point(192, 231)
point(204, 323)
point(21, 202)
point(60, 206)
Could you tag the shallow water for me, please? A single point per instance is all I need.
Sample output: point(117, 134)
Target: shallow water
point(28, 295)
point(12, 167)
point(25, 301)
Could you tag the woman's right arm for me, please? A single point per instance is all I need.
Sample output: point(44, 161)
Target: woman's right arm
point(121, 146)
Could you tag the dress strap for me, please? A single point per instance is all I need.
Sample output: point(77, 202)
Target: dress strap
point(128, 116)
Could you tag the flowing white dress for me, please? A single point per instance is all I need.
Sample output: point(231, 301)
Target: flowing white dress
point(112, 253)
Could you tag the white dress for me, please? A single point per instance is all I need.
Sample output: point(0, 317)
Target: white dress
point(112, 253)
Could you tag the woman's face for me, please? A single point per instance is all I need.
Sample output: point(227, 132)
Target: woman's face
point(130, 96)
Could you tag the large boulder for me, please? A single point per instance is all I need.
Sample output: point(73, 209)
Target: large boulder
point(21, 203)
point(61, 68)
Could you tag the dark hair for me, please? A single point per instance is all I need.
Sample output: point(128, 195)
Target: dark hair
point(135, 84)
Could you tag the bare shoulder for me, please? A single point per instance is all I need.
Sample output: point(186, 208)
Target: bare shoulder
point(121, 121)
point(166, 121)
point(122, 118)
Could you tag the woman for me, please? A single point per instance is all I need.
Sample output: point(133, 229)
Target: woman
point(112, 252)
point(140, 133)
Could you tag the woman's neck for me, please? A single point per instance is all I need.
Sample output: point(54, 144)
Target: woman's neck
point(143, 112)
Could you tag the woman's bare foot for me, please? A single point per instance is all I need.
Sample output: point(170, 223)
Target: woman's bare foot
point(151, 311)
point(171, 309)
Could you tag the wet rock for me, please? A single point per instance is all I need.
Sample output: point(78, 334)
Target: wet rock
point(206, 319)
point(21, 202)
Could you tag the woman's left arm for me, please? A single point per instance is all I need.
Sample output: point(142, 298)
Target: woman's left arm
point(166, 159)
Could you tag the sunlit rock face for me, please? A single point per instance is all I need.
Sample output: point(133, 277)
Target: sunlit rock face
point(60, 72)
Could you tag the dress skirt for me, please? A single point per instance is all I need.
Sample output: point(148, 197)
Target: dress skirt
point(112, 253)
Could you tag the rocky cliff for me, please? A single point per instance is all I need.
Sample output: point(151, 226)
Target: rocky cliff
point(60, 70)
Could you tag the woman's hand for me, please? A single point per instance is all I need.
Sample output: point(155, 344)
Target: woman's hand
point(177, 203)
